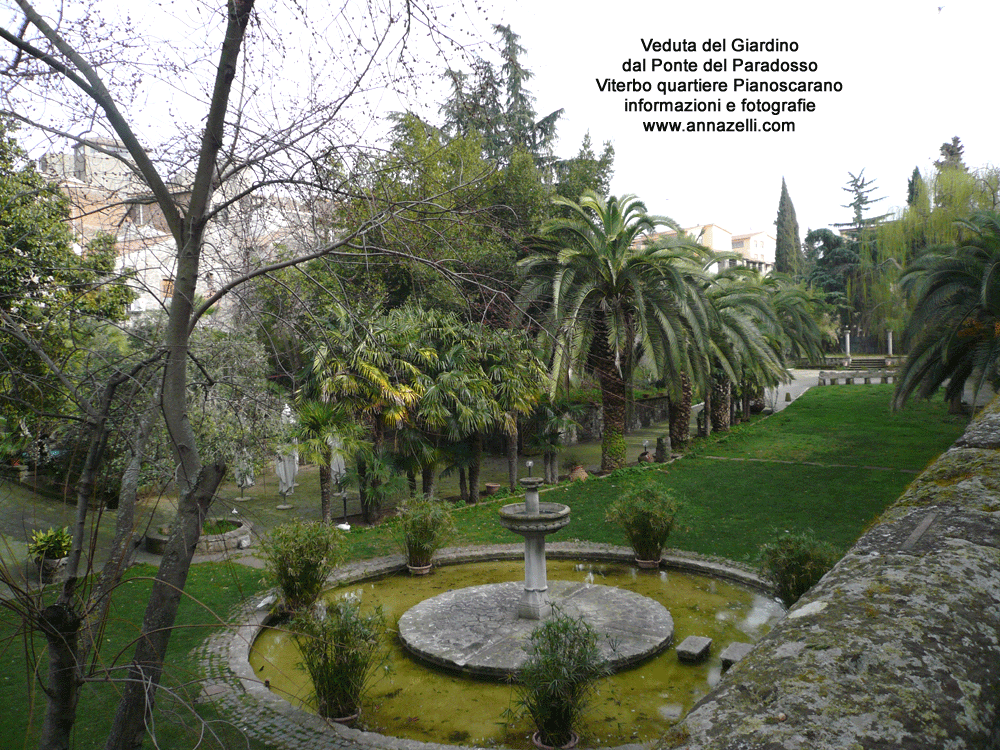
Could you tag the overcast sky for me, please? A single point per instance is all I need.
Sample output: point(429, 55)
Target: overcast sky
point(914, 74)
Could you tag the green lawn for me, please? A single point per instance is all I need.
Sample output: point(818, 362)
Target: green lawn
point(731, 507)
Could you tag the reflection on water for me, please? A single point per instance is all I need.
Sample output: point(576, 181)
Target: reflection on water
point(422, 703)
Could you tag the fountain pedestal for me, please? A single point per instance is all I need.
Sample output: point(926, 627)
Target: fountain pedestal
point(534, 520)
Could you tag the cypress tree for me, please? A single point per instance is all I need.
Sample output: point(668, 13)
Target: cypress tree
point(787, 248)
point(913, 187)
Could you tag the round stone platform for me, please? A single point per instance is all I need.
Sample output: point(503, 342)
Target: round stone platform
point(476, 630)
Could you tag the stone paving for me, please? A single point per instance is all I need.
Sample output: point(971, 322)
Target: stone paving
point(229, 682)
point(477, 631)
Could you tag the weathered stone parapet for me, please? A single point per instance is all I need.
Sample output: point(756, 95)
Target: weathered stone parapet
point(898, 646)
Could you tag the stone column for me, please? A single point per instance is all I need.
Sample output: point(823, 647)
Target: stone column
point(534, 604)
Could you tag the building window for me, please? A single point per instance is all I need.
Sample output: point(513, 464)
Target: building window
point(167, 287)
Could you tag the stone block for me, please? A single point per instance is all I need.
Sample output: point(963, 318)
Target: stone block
point(733, 653)
point(694, 648)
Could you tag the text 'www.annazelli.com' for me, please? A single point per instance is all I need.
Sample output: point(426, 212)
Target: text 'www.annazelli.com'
point(749, 125)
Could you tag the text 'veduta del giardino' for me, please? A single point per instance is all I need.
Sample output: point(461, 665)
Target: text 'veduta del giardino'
point(728, 85)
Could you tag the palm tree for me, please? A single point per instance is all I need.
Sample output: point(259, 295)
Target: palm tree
point(359, 367)
point(605, 298)
point(954, 331)
point(744, 341)
point(322, 427)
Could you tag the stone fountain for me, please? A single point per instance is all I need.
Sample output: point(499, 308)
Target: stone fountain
point(482, 630)
point(534, 521)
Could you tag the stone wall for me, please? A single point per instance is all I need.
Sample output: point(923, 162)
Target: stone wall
point(898, 646)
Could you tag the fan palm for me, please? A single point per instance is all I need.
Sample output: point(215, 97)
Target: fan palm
point(606, 298)
point(954, 332)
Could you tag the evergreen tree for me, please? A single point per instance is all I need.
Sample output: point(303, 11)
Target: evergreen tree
point(952, 156)
point(787, 249)
point(586, 171)
point(497, 105)
point(860, 190)
point(914, 186)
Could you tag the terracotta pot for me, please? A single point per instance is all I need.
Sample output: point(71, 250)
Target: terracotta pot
point(418, 570)
point(491, 489)
point(578, 474)
point(648, 564)
point(536, 740)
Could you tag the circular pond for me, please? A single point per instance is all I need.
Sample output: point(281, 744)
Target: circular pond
point(419, 702)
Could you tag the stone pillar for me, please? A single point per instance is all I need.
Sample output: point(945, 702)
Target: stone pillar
point(847, 344)
point(888, 335)
point(534, 604)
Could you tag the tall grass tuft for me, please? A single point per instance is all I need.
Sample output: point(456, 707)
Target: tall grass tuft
point(299, 557)
point(555, 683)
point(342, 650)
point(796, 562)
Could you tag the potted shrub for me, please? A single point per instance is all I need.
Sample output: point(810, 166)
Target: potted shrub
point(342, 650)
point(425, 526)
point(49, 548)
point(647, 516)
point(299, 557)
point(555, 683)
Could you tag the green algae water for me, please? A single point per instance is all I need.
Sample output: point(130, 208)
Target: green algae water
point(419, 702)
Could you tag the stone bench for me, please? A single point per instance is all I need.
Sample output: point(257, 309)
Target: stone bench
point(850, 376)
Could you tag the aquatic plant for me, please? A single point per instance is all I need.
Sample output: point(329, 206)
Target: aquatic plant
point(555, 683)
point(425, 526)
point(342, 650)
point(299, 557)
point(647, 515)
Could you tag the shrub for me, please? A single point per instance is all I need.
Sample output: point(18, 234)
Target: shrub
point(51, 544)
point(342, 650)
point(299, 557)
point(425, 526)
point(555, 683)
point(796, 562)
point(647, 515)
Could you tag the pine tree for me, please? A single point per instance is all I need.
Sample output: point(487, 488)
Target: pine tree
point(787, 249)
point(860, 190)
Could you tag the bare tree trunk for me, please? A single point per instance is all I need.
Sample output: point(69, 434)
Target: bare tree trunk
point(123, 546)
point(463, 485)
point(720, 394)
point(475, 465)
point(427, 472)
point(139, 692)
point(512, 456)
point(550, 459)
point(705, 418)
point(680, 414)
point(325, 490)
point(60, 623)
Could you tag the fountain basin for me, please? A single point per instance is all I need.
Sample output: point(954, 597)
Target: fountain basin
point(477, 630)
point(549, 517)
point(434, 706)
